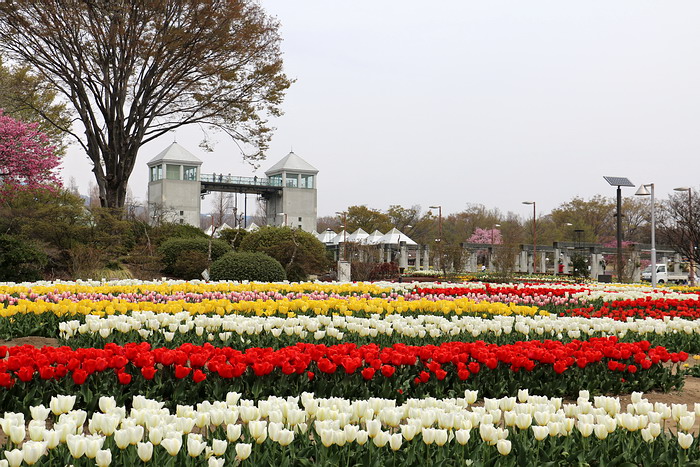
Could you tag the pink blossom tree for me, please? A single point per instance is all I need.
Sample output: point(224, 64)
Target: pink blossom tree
point(27, 159)
point(486, 236)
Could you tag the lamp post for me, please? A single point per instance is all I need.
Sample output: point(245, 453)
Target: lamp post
point(439, 239)
point(534, 235)
point(345, 232)
point(648, 190)
point(211, 237)
point(619, 182)
point(690, 227)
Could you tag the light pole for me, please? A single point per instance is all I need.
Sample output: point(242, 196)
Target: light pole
point(648, 190)
point(439, 239)
point(619, 182)
point(345, 233)
point(690, 236)
point(534, 235)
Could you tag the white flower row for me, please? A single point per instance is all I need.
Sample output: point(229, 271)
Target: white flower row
point(335, 421)
point(227, 326)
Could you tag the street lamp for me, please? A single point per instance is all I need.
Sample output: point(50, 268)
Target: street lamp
point(439, 208)
point(648, 190)
point(619, 182)
point(534, 235)
point(690, 226)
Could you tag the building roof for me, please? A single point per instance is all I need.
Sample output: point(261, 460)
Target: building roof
point(291, 163)
point(252, 227)
point(342, 236)
point(358, 236)
point(175, 153)
point(374, 237)
point(326, 236)
point(394, 237)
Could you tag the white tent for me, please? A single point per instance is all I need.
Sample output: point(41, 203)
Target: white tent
point(252, 227)
point(394, 236)
point(358, 236)
point(327, 236)
point(341, 237)
point(373, 238)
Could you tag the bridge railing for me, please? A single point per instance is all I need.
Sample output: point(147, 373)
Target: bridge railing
point(236, 180)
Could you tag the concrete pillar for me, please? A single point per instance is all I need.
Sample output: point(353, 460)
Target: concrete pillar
point(523, 264)
point(403, 258)
point(593, 262)
point(565, 259)
point(426, 257)
point(542, 265)
point(557, 258)
point(490, 262)
point(636, 270)
point(677, 263)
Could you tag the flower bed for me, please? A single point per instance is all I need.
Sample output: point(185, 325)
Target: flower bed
point(241, 373)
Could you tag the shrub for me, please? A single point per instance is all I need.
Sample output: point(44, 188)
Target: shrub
point(247, 266)
point(20, 260)
point(175, 248)
point(191, 264)
point(299, 252)
point(166, 231)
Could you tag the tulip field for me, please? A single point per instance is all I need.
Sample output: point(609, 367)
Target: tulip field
point(346, 374)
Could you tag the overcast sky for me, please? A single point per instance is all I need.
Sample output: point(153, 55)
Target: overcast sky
point(488, 102)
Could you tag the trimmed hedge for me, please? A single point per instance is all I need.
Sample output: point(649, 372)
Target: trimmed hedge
point(174, 249)
point(247, 266)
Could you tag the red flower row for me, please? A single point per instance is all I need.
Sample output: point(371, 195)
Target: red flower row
point(489, 289)
point(463, 358)
point(641, 308)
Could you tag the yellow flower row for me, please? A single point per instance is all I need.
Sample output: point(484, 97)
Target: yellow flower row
point(285, 307)
point(166, 288)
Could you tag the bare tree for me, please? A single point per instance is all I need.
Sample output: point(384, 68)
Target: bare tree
point(679, 225)
point(133, 70)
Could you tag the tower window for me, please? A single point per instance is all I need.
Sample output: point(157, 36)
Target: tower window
point(190, 172)
point(172, 172)
point(307, 181)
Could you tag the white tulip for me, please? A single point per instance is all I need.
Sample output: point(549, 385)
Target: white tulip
point(14, 457)
point(540, 432)
point(103, 458)
point(218, 447)
point(145, 451)
point(32, 451)
point(395, 441)
point(39, 412)
point(503, 446)
point(600, 430)
point(462, 436)
point(381, 439)
point(216, 462)
point(243, 450)
point(233, 432)
point(121, 438)
point(172, 445)
point(685, 440)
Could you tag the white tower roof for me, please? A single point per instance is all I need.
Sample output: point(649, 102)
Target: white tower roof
point(175, 153)
point(291, 163)
point(342, 235)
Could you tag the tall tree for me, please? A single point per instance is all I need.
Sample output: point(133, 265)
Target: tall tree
point(135, 69)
